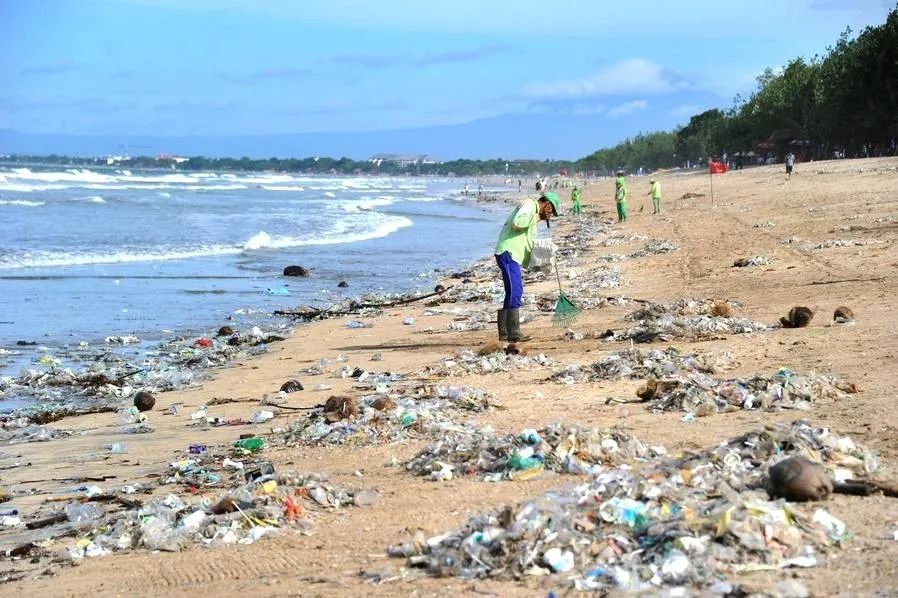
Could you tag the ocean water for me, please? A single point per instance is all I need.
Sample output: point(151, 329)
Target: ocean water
point(85, 254)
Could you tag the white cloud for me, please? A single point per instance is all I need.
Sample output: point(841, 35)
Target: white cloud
point(634, 75)
point(584, 109)
point(628, 108)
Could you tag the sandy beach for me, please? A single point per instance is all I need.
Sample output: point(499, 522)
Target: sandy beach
point(752, 213)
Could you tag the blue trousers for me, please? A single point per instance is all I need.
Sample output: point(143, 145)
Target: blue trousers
point(511, 279)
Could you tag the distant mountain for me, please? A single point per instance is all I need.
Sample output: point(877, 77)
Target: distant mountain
point(509, 136)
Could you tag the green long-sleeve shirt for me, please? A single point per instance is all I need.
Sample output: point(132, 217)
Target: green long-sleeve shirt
point(519, 232)
point(656, 190)
point(620, 193)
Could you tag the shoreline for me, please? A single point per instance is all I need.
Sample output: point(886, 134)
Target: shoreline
point(695, 269)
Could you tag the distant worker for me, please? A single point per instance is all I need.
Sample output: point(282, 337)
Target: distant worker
point(513, 250)
point(466, 188)
point(620, 196)
point(519, 185)
point(575, 200)
point(479, 190)
point(790, 162)
point(655, 192)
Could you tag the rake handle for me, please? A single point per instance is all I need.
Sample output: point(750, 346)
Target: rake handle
point(558, 278)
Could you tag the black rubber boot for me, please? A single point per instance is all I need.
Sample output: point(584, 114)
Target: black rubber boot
point(501, 318)
point(513, 319)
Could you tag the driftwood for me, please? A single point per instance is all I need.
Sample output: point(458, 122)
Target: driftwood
point(866, 488)
point(46, 521)
point(818, 282)
point(314, 312)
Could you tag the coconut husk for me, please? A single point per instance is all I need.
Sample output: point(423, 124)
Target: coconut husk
point(144, 400)
point(721, 309)
point(799, 317)
point(799, 479)
point(291, 386)
point(843, 314)
point(337, 408)
point(489, 348)
point(383, 404)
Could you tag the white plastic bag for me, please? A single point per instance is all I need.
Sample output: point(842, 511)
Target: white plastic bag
point(543, 254)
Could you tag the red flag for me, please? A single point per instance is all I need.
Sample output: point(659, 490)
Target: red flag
point(717, 167)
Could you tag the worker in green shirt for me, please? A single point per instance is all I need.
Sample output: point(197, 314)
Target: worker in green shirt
point(620, 196)
point(513, 250)
point(655, 192)
point(575, 200)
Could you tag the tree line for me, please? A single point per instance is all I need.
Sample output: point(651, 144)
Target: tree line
point(841, 104)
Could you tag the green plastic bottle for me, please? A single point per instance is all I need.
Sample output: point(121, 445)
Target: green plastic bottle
point(253, 445)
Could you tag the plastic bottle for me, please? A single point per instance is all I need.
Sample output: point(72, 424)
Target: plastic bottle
point(117, 448)
point(253, 445)
point(365, 498)
point(530, 436)
point(261, 416)
point(82, 513)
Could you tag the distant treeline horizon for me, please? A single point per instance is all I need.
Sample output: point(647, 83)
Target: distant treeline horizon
point(841, 104)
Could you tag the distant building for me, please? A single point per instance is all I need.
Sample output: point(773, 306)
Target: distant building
point(403, 160)
point(175, 159)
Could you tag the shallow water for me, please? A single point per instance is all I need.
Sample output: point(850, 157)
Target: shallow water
point(86, 253)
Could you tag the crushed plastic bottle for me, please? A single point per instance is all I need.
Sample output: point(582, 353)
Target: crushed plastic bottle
point(117, 448)
point(253, 445)
point(77, 512)
point(261, 416)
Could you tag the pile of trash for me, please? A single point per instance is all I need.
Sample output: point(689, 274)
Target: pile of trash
point(622, 239)
point(685, 319)
point(700, 394)
point(262, 505)
point(696, 520)
point(472, 292)
point(377, 418)
point(830, 243)
point(466, 450)
point(599, 278)
point(108, 376)
point(468, 363)
point(21, 429)
point(636, 364)
point(755, 260)
point(654, 247)
point(684, 307)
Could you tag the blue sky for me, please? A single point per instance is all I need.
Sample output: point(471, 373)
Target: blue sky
point(250, 67)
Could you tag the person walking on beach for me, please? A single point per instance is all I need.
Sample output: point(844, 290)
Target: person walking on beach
point(513, 250)
point(790, 162)
point(575, 200)
point(620, 196)
point(655, 192)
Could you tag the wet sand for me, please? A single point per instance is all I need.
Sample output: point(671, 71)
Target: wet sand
point(849, 199)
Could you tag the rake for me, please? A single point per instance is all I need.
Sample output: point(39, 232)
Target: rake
point(566, 313)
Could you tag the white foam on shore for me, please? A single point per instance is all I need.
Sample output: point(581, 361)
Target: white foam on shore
point(335, 236)
point(91, 199)
point(21, 202)
point(372, 228)
point(367, 203)
point(282, 188)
